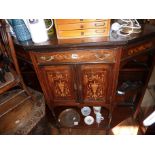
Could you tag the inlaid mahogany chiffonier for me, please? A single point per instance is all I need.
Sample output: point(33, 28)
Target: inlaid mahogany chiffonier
point(74, 73)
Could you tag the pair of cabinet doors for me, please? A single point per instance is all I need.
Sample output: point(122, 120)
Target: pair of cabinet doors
point(87, 84)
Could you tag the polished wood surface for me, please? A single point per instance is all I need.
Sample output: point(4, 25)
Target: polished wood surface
point(90, 77)
point(77, 56)
point(94, 83)
point(61, 83)
point(136, 49)
point(147, 33)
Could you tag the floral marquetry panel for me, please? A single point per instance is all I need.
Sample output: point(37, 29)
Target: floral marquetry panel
point(60, 80)
point(94, 82)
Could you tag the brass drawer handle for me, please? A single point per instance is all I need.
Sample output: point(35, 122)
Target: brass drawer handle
point(103, 24)
point(99, 31)
point(47, 58)
point(102, 56)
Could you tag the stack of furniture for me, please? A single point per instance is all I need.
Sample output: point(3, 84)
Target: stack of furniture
point(19, 110)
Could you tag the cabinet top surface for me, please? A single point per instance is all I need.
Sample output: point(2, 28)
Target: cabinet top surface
point(148, 32)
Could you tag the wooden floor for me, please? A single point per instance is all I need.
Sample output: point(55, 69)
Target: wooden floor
point(17, 117)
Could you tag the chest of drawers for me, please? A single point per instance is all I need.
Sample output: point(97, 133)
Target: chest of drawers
point(80, 28)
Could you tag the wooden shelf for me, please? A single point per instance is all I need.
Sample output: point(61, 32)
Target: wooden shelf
point(128, 98)
point(134, 70)
point(131, 92)
point(82, 124)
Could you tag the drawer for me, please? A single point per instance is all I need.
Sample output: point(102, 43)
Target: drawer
point(83, 33)
point(81, 26)
point(69, 21)
point(135, 50)
point(105, 55)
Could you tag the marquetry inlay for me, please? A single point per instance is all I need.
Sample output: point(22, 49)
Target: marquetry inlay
point(140, 48)
point(94, 83)
point(60, 81)
point(78, 56)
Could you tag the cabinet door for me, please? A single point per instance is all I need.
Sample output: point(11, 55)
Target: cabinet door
point(60, 83)
point(95, 83)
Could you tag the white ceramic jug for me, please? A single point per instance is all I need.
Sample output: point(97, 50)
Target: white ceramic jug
point(38, 29)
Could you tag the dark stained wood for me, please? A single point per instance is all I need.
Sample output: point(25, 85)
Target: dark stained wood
point(90, 76)
point(27, 70)
point(138, 49)
point(61, 83)
point(53, 44)
point(77, 56)
point(56, 86)
point(94, 82)
point(142, 93)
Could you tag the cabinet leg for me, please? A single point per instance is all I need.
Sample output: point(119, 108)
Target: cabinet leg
point(109, 123)
point(56, 121)
point(69, 131)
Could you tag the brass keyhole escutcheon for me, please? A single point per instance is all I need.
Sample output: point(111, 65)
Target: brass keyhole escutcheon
point(100, 31)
